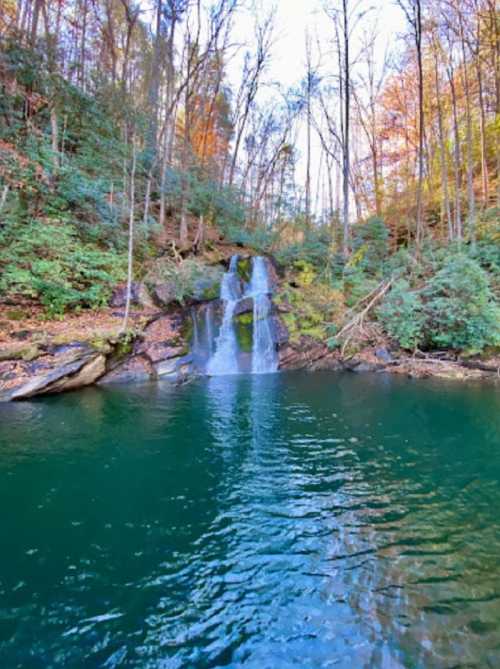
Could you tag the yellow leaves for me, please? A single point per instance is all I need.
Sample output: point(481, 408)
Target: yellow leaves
point(7, 15)
point(358, 256)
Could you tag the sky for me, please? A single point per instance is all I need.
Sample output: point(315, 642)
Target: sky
point(296, 18)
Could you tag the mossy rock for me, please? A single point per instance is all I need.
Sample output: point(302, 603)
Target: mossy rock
point(244, 319)
point(187, 329)
point(212, 292)
point(245, 269)
point(244, 336)
point(26, 353)
point(15, 315)
point(317, 333)
point(101, 344)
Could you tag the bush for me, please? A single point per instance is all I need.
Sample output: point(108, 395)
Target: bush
point(48, 261)
point(190, 279)
point(314, 249)
point(370, 244)
point(402, 315)
point(455, 309)
point(460, 309)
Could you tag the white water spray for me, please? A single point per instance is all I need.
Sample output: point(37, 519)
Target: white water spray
point(225, 358)
point(264, 356)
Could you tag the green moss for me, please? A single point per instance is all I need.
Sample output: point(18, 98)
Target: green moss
point(15, 315)
point(317, 333)
point(26, 353)
point(100, 344)
point(244, 319)
point(212, 292)
point(245, 269)
point(244, 336)
point(187, 329)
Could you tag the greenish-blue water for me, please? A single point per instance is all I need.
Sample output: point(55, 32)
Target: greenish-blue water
point(282, 521)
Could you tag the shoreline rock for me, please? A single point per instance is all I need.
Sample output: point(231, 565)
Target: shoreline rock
point(160, 351)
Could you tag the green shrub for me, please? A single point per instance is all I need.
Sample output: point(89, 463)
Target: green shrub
point(357, 284)
point(314, 249)
point(402, 315)
point(191, 279)
point(370, 242)
point(460, 309)
point(47, 261)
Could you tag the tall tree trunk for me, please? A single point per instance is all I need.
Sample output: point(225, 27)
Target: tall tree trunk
point(421, 124)
point(54, 127)
point(442, 151)
point(456, 154)
point(482, 131)
point(471, 209)
point(130, 239)
point(346, 137)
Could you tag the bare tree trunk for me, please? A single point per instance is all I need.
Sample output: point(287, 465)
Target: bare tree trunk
point(421, 126)
point(346, 137)
point(84, 11)
point(471, 209)
point(130, 239)
point(54, 126)
point(309, 76)
point(482, 130)
point(3, 196)
point(456, 154)
point(413, 13)
point(442, 151)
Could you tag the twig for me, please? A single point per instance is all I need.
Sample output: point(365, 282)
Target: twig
point(357, 321)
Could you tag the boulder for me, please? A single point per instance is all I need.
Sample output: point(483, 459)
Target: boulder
point(136, 369)
point(383, 355)
point(280, 331)
point(158, 351)
point(244, 306)
point(165, 330)
point(272, 273)
point(174, 369)
point(139, 295)
point(164, 294)
point(207, 287)
point(61, 368)
point(86, 376)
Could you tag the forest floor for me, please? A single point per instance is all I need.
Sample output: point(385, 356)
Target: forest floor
point(22, 327)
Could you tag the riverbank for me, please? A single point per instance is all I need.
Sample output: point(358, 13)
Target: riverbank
point(45, 357)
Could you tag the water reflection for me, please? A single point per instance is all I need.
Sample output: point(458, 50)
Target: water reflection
point(255, 521)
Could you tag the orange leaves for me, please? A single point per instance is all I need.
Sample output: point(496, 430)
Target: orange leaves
point(13, 163)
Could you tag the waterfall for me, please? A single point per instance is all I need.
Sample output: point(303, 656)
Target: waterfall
point(225, 358)
point(209, 328)
point(264, 356)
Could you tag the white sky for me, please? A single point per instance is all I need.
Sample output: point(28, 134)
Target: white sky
point(294, 18)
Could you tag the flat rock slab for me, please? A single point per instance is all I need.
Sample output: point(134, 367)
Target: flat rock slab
point(136, 369)
point(62, 368)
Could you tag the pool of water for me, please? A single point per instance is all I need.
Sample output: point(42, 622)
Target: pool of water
point(292, 520)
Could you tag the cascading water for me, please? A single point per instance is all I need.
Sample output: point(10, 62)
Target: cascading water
point(264, 356)
point(209, 328)
point(225, 358)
